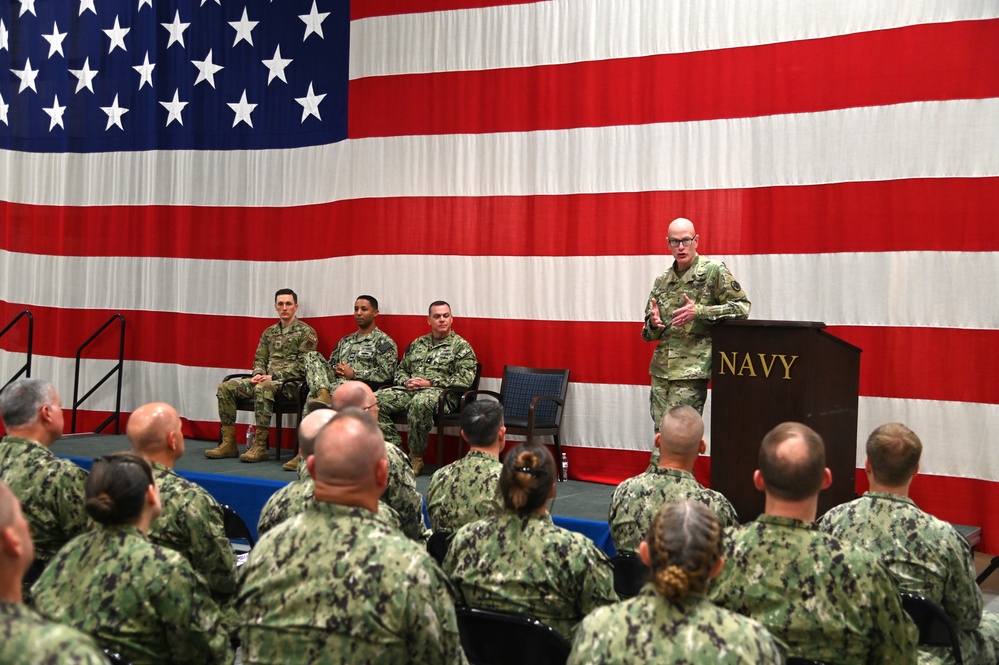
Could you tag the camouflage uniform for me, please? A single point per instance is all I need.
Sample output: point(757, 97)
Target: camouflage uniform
point(681, 363)
point(449, 362)
point(651, 629)
point(280, 354)
point(926, 556)
point(373, 358)
point(142, 600)
point(637, 500)
point(192, 523)
point(51, 491)
point(527, 565)
point(464, 491)
point(334, 584)
point(28, 639)
point(824, 599)
point(402, 495)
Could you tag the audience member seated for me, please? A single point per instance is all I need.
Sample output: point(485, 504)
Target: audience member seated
point(143, 600)
point(823, 598)
point(191, 521)
point(50, 489)
point(680, 440)
point(926, 555)
point(25, 637)
point(518, 561)
point(671, 620)
point(401, 494)
point(431, 363)
point(294, 497)
point(468, 489)
point(334, 583)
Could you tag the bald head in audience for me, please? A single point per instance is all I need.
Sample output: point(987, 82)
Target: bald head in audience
point(309, 429)
point(17, 550)
point(681, 438)
point(792, 471)
point(155, 432)
point(357, 394)
point(349, 465)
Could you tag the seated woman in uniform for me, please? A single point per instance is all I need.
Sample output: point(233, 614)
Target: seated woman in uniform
point(139, 599)
point(671, 620)
point(518, 561)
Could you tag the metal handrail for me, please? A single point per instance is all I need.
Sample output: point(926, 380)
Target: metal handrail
point(26, 368)
point(118, 368)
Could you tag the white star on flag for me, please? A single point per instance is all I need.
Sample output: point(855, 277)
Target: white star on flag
point(117, 35)
point(176, 30)
point(310, 104)
point(27, 6)
point(276, 66)
point(314, 22)
point(3, 110)
point(206, 69)
point(145, 72)
point(145, 2)
point(87, 4)
point(55, 113)
point(242, 110)
point(55, 40)
point(3, 36)
point(243, 28)
point(174, 108)
point(85, 76)
point(114, 114)
point(27, 76)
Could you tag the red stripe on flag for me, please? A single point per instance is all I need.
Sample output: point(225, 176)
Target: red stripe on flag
point(369, 8)
point(919, 63)
point(893, 363)
point(896, 215)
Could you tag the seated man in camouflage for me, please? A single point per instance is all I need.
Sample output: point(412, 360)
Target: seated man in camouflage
point(825, 599)
point(367, 354)
point(431, 363)
point(926, 555)
point(279, 356)
point(467, 490)
point(637, 500)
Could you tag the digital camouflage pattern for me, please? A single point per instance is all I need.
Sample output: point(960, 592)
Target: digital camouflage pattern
point(28, 639)
point(449, 362)
point(637, 500)
point(650, 629)
point(51, 491)
point(281, 354)
point(464, 491)
point(192, 523)
point(684, 353)
point(143, 600)
point(373, 357)
point(821, 597)
point(527, 565)
point(402, 495)
point(334, 584)
point(926, 556)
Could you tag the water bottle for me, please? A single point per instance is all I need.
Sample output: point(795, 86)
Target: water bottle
point(565, 466)
point(251, 432)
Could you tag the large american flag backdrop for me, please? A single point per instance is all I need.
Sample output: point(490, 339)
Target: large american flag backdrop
point(177, 161)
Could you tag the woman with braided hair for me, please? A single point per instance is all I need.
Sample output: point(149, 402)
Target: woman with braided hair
point(518, 561)
point(671, 620)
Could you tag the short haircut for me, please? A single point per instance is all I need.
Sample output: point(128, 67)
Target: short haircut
point(370, 299)
point(893, 451)
point(21, 401)
point(116, 487)
point(788, 473)
point(348, 446)
point(310, 426)
point(438, 303)
point(527, 478)
point(286, 292)
point(681, 431)
point(481, 421)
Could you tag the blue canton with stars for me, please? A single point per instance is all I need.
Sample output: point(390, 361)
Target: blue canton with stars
point(127, 75)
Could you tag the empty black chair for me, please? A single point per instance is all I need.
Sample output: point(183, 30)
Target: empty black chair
point(630, 574)
point(437, 545)
point(236, 529)
point(498, 638)
point(935, 628)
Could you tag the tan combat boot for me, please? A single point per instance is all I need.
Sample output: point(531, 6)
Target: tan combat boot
point(417, 462)
point(322, 398)
point(228, 446)
point(292, 464)
point(258, 451)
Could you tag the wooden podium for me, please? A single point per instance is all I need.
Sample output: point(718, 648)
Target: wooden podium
point(764, 373)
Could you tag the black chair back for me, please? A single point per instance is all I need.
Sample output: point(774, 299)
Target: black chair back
point(936, 629)
point(236, 529)
point(630, 574)
point(499, 638)
point(437, 545)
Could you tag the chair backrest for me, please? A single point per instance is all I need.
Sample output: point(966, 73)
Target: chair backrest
point(936, 629)
point(235, 527)
point(521, 384)
point(438, 544)
point(498, 638)
point(114, 657)
point(630, 574)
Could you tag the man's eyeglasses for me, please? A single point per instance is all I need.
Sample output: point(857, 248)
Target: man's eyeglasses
point(369, 406)
point(676, 242)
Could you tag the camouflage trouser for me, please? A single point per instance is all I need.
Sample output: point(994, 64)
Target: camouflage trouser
point(263, 400)
point(666, 394)
point(421, 409)
point(977, 646)
point(319, 374)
